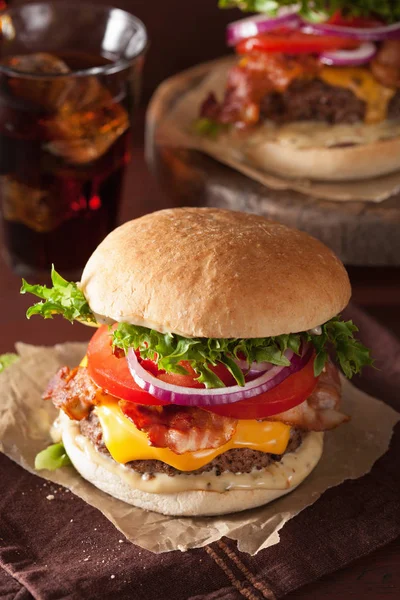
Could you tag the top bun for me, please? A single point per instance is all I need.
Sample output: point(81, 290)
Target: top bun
point(205, 272)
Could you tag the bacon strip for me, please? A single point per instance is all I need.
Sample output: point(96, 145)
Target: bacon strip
point(74, 392)
point(386, 65)
point(189, 429)
point(320, 411)
point(250, 80)
point(180, 428)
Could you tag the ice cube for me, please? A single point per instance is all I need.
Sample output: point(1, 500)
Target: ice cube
point(83, 119)
point(52, 93)
point(41, 210)
point(41, 62)
point(82, 136)
point(48, 93)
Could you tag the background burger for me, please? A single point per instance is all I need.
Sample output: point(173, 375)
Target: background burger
point(316, 87)
point(207, 386)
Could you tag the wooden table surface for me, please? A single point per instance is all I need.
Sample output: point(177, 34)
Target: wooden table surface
point(373, 577)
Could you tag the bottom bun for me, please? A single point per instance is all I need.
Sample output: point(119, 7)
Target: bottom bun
point(347, 163)
point(122, 483)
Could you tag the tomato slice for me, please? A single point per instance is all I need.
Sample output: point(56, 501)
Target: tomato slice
point(182, 380)
point(190, 380)
point(291, 392)
point(359, 22)
point(112, 373)
point(294, 42)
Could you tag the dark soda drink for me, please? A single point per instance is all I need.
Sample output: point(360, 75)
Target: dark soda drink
point(65, 129)
point(61, 168)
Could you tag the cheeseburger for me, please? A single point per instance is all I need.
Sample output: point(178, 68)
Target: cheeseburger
point(315, 90)
point(207, 385)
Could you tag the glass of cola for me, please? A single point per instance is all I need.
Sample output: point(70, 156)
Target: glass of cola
point(69, 83)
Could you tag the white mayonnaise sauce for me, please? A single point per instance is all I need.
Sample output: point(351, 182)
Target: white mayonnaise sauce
point(315, 330)
point(286, 474)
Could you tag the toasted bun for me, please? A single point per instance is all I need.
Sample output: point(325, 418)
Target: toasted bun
point(327, 164)
point(204, 272)
point(104, 473)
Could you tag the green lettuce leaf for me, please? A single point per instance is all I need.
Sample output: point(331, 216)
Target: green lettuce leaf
point(350, 353)
point(52, 458)
point(64, 298)
point(316, 10)
point(7, 359)
point(169, 350)
point(209, 127)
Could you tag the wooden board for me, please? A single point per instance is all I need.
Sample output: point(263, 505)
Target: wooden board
point(361, 233)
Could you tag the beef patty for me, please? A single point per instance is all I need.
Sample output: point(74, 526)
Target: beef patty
point(315, 100)
point(237, 460)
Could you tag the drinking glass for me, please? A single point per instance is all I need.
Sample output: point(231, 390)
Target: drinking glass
point(69, 83)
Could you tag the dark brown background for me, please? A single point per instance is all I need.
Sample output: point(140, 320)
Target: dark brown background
point(183, 33)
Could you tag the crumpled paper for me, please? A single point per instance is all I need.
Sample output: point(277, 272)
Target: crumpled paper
point(175, 106)
point(25, 420)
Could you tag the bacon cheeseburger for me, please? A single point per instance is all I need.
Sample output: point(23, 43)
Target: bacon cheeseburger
point(207, 386)
point(316, 88)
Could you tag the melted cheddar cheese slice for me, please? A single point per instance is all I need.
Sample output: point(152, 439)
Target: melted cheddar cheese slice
point(364, 85)
point(125, 442)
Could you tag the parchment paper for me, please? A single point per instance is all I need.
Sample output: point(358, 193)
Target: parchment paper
point(25, 420)
point(184, 94)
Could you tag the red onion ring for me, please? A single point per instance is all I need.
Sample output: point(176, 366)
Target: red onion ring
point(350, 58)
point(184, 396)
point(370, 34)
point(250, 26)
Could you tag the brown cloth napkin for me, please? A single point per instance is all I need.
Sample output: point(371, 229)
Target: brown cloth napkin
point(53, 545)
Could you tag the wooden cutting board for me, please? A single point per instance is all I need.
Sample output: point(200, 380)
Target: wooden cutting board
point(360, 233)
